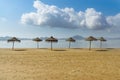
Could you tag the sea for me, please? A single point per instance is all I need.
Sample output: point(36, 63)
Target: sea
point(61, 44)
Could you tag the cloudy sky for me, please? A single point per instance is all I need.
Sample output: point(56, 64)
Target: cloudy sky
point(59, 18)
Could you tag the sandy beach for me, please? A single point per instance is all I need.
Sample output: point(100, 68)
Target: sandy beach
point(60, 64)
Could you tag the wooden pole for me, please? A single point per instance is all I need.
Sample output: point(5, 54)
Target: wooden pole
point(90, 45)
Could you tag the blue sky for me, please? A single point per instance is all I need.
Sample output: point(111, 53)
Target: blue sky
point(59, 18)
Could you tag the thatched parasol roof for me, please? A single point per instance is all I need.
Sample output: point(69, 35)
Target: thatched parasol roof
point(37, 39)
point(91, 38)
point(13, 39)
point(51, 39)
point(70, 39)
point(102, 39)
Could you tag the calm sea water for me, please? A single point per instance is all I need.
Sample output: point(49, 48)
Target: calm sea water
point(61, 44)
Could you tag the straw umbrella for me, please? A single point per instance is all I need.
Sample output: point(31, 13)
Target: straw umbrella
point(51, 40)
point(37, 40)
point(13, 39)
point(90, 38)
point(70, 40)
point(102, 40)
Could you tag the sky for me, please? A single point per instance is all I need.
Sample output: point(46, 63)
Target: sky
point(59, 18)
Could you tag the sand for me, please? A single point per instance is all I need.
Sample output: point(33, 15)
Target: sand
point(60, 64)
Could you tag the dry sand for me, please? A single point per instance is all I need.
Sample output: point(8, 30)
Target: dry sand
point(64, 64)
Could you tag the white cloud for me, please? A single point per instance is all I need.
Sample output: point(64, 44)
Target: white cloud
point(52, 16)
point(95, 20)
point(114, 20)
point(3, 19)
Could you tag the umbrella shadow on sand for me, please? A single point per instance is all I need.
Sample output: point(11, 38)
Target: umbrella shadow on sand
point(105, 49)
point(19, 50)
point(102, 50)
point(59, 50)
point(77, 48)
